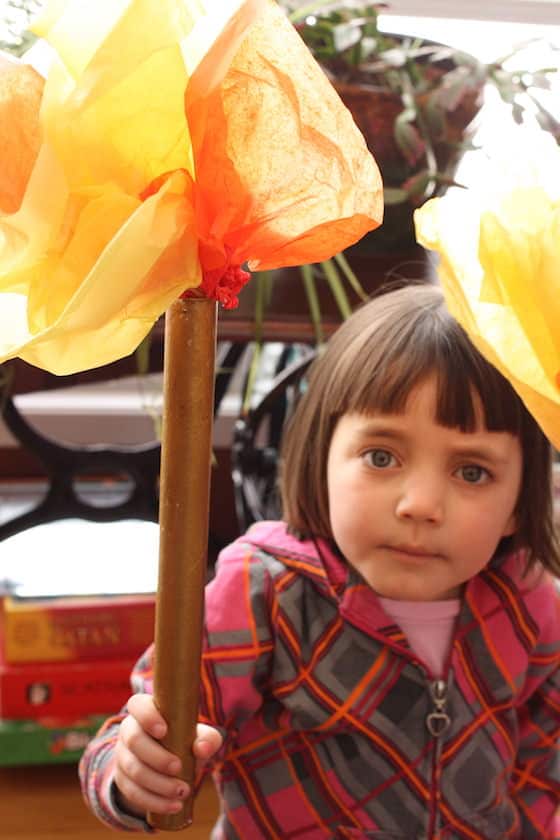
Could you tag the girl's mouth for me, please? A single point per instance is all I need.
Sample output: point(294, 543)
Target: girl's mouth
point(413, 553)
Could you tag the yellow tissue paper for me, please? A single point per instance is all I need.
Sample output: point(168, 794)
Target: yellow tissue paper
point(500, 272)
point(173, 142)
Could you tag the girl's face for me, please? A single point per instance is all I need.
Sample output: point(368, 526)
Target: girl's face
point(418, 508)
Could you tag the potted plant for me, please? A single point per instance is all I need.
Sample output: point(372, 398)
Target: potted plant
point(15, 17)
point(414, 101)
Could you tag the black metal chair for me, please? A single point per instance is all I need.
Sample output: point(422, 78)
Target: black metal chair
point(256, 442)
point(66, 463)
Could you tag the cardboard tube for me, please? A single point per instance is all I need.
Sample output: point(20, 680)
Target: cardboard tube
point(188, 394)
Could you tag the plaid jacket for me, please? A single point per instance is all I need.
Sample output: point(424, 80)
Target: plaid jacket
point(335, 729)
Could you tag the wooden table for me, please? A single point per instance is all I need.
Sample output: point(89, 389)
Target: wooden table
point(45, 803)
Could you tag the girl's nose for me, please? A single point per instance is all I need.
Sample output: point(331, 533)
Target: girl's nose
point(421, 499)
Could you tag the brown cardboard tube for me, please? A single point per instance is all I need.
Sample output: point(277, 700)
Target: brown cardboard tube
point(188, 394)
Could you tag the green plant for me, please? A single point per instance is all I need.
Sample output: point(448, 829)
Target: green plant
point(16, 15)
point(413, 99)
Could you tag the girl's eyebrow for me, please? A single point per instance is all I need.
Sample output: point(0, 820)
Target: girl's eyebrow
point(372, 428)
point(481, 453)
point(472, 451)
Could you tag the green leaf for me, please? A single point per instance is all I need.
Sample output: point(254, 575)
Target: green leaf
point(466, 59)
point(313, 302)
point(517, 113)
point(337, 289)
point(453, 89)
point(142, 355)
point(395, 57)
point(15, 17)
point(394, 195)
point(268, 287)
point(548, 123)
point(408, 139)
point(419, 186)
point(261, 280)
point(369, 47)
point(540, 80)
point(252, 376)
point(435, 117)
point(303, 12)
point(355, 284)
point(345, 36)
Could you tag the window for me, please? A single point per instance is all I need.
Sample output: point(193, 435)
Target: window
point(528, 11)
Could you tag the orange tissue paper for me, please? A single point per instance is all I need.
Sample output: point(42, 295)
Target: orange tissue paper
point(172, 143)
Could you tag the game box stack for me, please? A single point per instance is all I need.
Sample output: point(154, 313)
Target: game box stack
point(65, 665)
point(71, 628)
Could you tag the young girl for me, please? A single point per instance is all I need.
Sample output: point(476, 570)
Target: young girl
point(385, 661)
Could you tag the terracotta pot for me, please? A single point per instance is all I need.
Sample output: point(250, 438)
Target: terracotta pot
point(375, 110)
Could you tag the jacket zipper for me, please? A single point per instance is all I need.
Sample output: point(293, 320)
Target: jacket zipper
point(437, 723)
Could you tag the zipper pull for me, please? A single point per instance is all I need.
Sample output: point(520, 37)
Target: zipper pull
point(438, 721)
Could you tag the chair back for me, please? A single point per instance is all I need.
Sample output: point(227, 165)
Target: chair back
point(256, 444)
point(134, 466)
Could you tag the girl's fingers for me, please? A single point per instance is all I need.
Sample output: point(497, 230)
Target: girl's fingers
point(143, 709)
point(144, 721)
point(146, 749)
point(145, 799)
point(146, 774)
point(129, 768)
point(208, 742)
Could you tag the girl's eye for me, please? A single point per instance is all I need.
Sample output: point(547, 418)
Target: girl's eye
point(473, 474)
point(379, 458)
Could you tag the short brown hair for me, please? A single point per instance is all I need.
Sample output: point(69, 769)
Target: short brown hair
point(373, 361)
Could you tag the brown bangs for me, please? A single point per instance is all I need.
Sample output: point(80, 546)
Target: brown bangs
point(387, 371)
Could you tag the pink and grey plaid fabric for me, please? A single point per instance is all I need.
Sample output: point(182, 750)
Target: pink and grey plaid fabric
point(328, 712)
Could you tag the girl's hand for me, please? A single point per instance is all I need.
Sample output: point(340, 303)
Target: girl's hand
point(146, 774)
